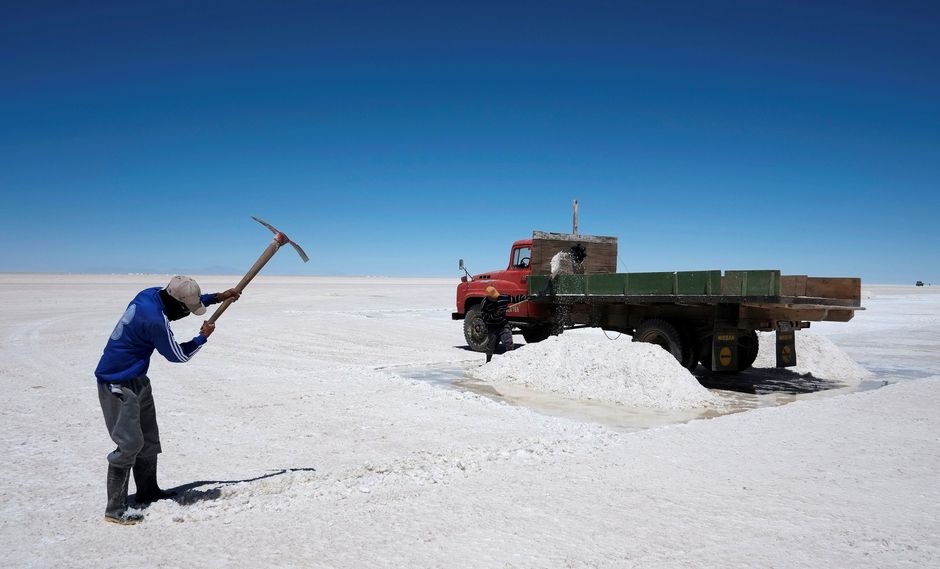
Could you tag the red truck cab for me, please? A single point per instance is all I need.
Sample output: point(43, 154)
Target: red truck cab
point(512, 280)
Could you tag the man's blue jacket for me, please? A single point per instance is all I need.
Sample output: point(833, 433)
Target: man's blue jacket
point(142, 329)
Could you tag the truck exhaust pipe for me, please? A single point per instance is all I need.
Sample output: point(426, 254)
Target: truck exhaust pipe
point(574, 221)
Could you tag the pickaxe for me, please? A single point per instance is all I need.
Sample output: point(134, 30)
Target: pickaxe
point(279, 239)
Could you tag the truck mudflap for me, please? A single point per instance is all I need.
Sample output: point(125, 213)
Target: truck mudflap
point(725, 351)
point(735, 350)
point(786, 345)
point(456, 316)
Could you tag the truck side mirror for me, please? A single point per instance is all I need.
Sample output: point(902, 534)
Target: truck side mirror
point(466, 273)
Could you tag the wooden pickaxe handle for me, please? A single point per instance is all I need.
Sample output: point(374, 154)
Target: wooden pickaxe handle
point(252, 273)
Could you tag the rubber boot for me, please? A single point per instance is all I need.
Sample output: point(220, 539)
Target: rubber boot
point(116, 512)
point(145, 476)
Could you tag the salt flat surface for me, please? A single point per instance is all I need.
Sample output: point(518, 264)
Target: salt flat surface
point(896, 336)
point(300, 447)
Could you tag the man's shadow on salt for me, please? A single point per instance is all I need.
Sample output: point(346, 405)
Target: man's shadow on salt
point(189, 494)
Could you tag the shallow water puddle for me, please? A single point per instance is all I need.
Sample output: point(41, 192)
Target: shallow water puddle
point(744, 391)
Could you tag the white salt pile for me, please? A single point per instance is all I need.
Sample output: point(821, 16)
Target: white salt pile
point(816, 355)
point(562, 264)
point(587, 367)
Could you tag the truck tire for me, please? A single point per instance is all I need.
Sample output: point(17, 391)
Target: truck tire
point(705, 352)
point(748, 346)
point(689, 348)
point(474, 330)
point(535, 334)
point(663, 334)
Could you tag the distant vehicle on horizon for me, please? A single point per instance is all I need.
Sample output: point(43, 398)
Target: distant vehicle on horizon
point(919, 283)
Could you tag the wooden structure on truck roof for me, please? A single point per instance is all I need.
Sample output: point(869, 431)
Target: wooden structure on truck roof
point(601, 251)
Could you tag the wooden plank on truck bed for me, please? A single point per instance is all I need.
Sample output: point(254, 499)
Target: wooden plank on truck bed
point(698, 282)
point(832, 287)
point(601, 251)
point(606, 284)
point(650, 283)
point(681, 283)
point(538, 284)
point(793, 285)
point(569, 284)
point(751, 283)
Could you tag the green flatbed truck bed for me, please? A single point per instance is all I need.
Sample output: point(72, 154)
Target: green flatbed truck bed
point(700, 316)
point(765, 287)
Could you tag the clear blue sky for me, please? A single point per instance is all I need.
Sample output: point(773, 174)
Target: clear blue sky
point(391, 139)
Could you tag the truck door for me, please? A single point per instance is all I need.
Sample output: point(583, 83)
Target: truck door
point(519, 271)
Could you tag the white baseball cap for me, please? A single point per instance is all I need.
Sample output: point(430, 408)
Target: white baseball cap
point(185, 290)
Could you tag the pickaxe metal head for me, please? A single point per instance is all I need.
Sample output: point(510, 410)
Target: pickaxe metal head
point(272, 248)
point(282, 239)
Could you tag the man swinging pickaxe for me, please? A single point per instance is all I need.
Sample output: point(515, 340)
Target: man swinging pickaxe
point(124, 390)
point(279, 239)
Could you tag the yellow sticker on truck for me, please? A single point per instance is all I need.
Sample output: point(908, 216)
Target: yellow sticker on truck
point(724, 356)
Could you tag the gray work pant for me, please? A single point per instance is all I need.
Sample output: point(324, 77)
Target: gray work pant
point(496, 335)
point(131, 420)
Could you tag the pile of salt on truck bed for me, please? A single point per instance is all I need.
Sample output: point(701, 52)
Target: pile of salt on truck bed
point(709, 317)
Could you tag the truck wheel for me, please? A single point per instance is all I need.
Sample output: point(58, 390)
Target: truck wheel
point(663, 334)
point(748, 346)
point(474, 330)
point(536, 334)
point(705, 352)
point(689, 349)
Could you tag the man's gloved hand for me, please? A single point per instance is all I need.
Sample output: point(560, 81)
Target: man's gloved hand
point(207, 329)
point(230, 293)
